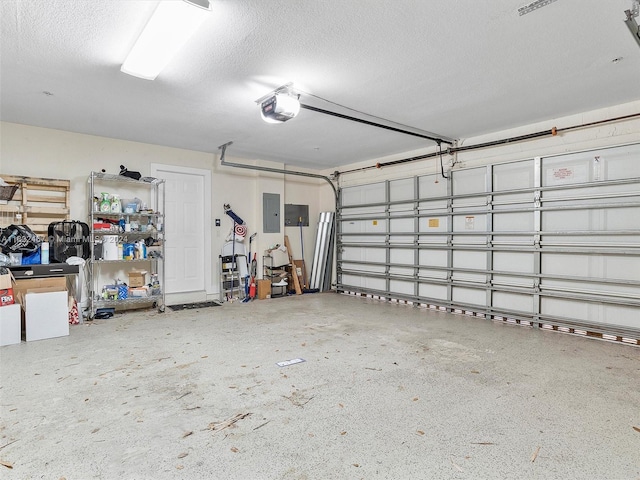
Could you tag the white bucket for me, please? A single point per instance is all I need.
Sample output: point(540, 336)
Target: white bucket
point(110, 247)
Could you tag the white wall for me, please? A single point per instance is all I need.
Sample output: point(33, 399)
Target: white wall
point(42, 152)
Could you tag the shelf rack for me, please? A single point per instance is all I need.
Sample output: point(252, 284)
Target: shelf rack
point(154, 190)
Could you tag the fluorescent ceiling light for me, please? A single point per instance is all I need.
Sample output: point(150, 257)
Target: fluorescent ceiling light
point(171, 25)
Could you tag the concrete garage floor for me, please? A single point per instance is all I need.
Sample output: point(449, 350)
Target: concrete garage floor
point(387, 391)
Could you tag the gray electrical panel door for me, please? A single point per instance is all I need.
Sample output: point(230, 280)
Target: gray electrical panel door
point(271, 213)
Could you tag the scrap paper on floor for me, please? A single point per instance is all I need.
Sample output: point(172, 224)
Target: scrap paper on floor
point(286, 363)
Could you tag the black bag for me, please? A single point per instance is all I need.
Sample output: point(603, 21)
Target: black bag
point(19, 239)
point(69, 239)
point(129, 173)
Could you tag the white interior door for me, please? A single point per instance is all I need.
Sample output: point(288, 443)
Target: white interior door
point(187, 218)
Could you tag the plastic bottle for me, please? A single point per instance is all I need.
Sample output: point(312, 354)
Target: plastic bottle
point(44, 253)
point(116, 207)
point(105, 203)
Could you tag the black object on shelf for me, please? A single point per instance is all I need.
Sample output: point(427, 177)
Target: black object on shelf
point(69, 239)
point(43, 271)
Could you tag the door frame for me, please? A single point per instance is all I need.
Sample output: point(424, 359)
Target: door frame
point(206, 201)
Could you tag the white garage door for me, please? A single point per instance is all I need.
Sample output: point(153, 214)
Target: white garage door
point(552, 242)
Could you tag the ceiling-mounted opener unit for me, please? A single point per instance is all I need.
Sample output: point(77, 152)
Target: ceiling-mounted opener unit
point(631, 22)
point(280, 105)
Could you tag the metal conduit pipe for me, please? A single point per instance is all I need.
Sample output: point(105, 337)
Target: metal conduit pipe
point(520, 138)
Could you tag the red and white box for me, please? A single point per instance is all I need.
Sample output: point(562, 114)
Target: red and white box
point(6, 297)
point(6, 289)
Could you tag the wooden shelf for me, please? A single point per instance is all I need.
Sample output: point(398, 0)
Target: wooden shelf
point(40, 201)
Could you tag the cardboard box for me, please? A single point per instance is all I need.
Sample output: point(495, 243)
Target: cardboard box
point(6, 297)
point(24, 285)
point(139, 292)
point(264, 289)
point(45, 307)
point(137, 278)
point(46, 314)
point(10, 325)
point(6, 280)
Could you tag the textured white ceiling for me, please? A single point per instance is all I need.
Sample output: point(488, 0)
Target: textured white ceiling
point(457, 68)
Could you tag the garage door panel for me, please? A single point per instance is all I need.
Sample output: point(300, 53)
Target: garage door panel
point(512, 281)
point(402, 225)
point(433, 206)
point(591, 288)
point(513, 302)
point(620, 315)
point(355, 226)
point(614, 163)
point(434, 258)
point(618, 218)
point(378, 284)
point(433, 240)
point(400, 240)
point(566, 170)
point(479, 278)
point(513, 262)
point(472, 180)
point(362, 211)
point(518, 203)
point(556, 307)
point(405, 256)
point(469, 223)
point(473, 240)
point(399, 271)
point(465, 259)
point(364, 239)
point(622, 267)
point(621, 163)
point(366, 268)
point(556, 238)
point(512, 176)
point(568, 220)
point(402, 288)
point(426, 273)
point(429, 188)
point(371, 193)
point(434, 224)
point(402, 189)
point(569, 265)
point(518, 241)
point(374, 255)
point(614, 315)
point(512, 222)
point(469, 296)
point(350, 280)
point(433, 291)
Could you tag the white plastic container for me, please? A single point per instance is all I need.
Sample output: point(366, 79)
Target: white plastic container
point(44, 253)
point(110, 247)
